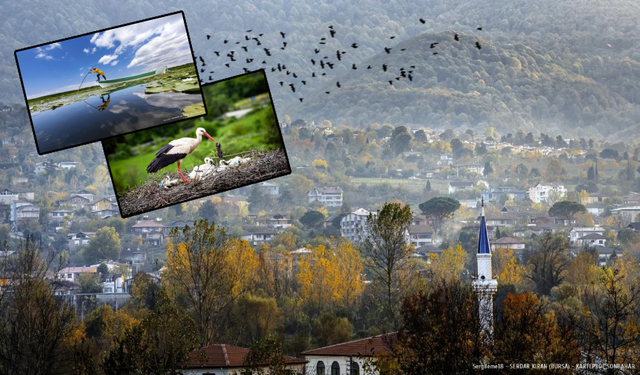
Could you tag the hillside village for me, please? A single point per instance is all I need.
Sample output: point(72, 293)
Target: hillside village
point(530, 185)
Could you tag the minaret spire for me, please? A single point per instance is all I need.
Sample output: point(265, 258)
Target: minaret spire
point(485, 285)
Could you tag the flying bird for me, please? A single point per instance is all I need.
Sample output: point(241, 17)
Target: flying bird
point(301, 100)
point(227, 65)
point(456, 38)
point(354, 66)
point(479, 28)
point(208, 36)
point(339, 55)
point(313, 62)
point(433, 45)
point(304, 82)
point(246, 37)
point(313, 74)
point(435, 53)
point(354, 45)
point(217, 53)
point(387, 49)
point(338, 84)
point(283, 34)
point(393, 37)
point(249, 61)
point(332, 32)
point(478, 46)
point(292, 87)
point(316, 50)
point(391, 83)
point(281, 83)
point(249, 30)
point(226, 41)
point(176, 151)
point(245, 48)
point(266, 50)
point(327, 92)
point(384, 67)
point(294, 75)
point(422, 21)
point(369, 67)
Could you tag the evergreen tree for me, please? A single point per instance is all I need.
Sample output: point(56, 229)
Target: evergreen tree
point(428, 187)
point(488, 169)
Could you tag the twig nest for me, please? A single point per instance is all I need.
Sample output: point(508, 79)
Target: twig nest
point(168, 182)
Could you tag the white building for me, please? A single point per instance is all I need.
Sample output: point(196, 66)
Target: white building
point(327, 196)
point(224, 359)
point(67, 164)
point(456, 186)
point(352, 357)
point(270, 188)
point(420, 235)
point(484, 284)
point(73, 273)
point(353, 227)
point(540, 192)
point(24, 211)
point(575, 234)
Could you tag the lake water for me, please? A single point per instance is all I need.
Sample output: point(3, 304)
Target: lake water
point(103, 116)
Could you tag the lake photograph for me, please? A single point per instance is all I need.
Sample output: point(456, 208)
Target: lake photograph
point(110, 82)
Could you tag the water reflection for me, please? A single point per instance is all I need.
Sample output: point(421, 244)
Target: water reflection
point(120, 111)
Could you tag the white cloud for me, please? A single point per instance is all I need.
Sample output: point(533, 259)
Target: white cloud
point(107, 59)
point(42, 51)
point(52, 46)
point(81, 74)
point(82, 68)
point(114, 63)
point(170, 48)
point(93, 50)
point(86, 50)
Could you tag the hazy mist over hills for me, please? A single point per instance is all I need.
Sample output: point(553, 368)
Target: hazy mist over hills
point(557, 67)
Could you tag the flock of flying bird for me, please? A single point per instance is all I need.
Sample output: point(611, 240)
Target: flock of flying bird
point(321, 62)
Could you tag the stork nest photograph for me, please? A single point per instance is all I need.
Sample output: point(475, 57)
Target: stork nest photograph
point(237, 143)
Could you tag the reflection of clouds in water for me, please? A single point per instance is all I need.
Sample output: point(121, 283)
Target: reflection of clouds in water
point(140, 94)
point(117, 109)
point(123, 102)
point(173, 99)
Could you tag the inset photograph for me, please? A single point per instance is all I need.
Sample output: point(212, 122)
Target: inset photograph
point(237, 143)
point(112, 82)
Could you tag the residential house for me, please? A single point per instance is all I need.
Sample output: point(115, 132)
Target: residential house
point(60, 214)
point(86, 194)
point(593, 198)
point(635, 226)
point(501, 220)
point(102, 204)
point(445, 159)
point(8, 198)
point(605, 254)
point(79, 239)
point(473, 168)
point(418, 220)
point(103, 214)
point(471, 203)
point(353, 227)
point(260, 235)
point(327, 196)
point(73, 273)
point(555, 220)
point(591, 240)
point(540, 192)
point(352, 357)
point(595, 209)
point(75, 201)
point(134, 257)
point(632, 199)
point(513, 243)
point(24, 211)
point(577, 233)
point(224, 359)
point(627, 214)
point(426, 252)
point(114, 283)
point(494, 194)
point(420, 235)
point(27, 195)
point(177, 224)
point(276, 221)
point(455, 186)
point(150, 231)
point(270, 188)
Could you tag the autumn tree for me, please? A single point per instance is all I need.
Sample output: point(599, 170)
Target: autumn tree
point(548, 261)
point(159, 344)
point(330, 277)
point(104, 245)
point(610, 328)
point(254, 318)
point(439, 208)
point(387, 258)
point(506, 266)
point(527, 333)
point(440, 330)
point(329, 329)
point(206, 272)
point(450, 264)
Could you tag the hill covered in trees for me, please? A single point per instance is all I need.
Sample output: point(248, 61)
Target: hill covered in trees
point(557, 67)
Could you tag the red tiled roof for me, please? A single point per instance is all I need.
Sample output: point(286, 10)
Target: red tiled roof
point(224, 355)
point(507, 240)
point(147, 224)
point(366, 347)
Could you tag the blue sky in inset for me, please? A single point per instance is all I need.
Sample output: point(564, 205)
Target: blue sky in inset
point(120, 52)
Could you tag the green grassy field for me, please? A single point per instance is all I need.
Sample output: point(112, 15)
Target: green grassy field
point(248, 101)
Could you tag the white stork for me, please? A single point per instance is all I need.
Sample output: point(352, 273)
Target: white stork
point(203, 170)
point(176, 151)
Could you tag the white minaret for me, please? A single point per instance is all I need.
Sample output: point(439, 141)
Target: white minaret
point(485, 285)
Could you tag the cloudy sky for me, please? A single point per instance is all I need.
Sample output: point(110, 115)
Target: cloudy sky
point(120, 52)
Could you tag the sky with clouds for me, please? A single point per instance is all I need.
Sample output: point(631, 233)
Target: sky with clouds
point(120, 52)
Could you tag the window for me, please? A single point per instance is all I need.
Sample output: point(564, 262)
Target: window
point(320, 368)
point(355, 368)
point(335, 368)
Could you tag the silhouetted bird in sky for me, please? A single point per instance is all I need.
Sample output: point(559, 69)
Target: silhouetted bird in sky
point(410, 77)
point(354, 66)
point(387, 49)
point(284, 44)
point(313, 62)
point(435, 53)
point(354, 45)
point(323, 38)
point(433, 45)
point(321, 64)
point(391, 83)
point(403, 49)
point(246, 70)
point(237, 42)
point(479, 28)
point(210, 79)
point(478, 46)
point(316, 50)
point(393, 37)
point(322, 43)
point(339, 56)
point(292, 87)
point(332, 32)
point(226, 41)
point(227, 65)
point(327, 92)
point(266, 50)
point(249, 61)
point(313, 74)
point(304, 82)
point(246, 37)
point(422, 21)
point(369, 67)
point(208, 36)
point(281, 83)
point(288, 73)
point(456, 38)
point(294, 75)
point(273, 69)
point(338, 84)
point(245, 48)
point(264, 61)
point(384, 67)
point(201, 59)
point(217, 53)
point(201, 70)
point(324, 74)
point(283, 34)
point(301, 100)
point(330, 65)
point(249, 30)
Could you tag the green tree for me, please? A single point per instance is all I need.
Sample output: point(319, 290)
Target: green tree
point(628, 237)
point(566, 209)
point(548, 262)
point(488, 169)
point(439, 208)
point(312, 219)
point(329, 329)
point(208, 211)
point(255, 318)
point(387, 257)
point(104, 245)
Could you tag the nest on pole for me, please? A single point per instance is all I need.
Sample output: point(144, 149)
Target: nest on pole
point(151, 195)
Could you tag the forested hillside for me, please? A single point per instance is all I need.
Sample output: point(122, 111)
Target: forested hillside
point(545, 65)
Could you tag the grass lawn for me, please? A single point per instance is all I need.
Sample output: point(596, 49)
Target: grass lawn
point(247, 101)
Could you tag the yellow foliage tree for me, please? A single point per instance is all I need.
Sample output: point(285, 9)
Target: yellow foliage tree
point(331, 277)
point(320, 164)
point(450, 264)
